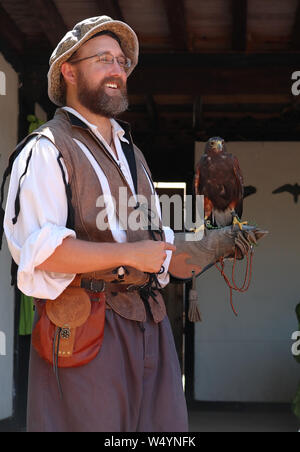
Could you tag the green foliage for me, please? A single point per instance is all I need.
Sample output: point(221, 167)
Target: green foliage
point(34, 123)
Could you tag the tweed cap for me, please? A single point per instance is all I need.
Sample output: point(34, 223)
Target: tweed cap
point(74, 39)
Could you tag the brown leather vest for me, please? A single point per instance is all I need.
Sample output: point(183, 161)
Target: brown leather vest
point(86, 189)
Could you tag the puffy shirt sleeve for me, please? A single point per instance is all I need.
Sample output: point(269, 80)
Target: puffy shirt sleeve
point(41, 224)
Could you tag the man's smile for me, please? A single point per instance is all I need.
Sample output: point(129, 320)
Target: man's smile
point(112, 85)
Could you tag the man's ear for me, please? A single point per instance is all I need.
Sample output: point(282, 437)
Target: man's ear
point(68, 73)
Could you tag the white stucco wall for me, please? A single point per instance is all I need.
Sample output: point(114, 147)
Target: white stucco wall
point(248, 358)
point(8, 139)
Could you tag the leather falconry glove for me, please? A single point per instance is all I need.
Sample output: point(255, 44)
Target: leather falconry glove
point(199, 256)
point(192, 258)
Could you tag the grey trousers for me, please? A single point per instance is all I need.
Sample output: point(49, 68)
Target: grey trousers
point(133, 385)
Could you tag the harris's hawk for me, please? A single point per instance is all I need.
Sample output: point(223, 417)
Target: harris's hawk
point(219, 178)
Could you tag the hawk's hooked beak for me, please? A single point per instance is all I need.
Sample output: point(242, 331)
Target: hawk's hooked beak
point(218, 145)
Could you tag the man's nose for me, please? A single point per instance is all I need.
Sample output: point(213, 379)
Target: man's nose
point(115, 68)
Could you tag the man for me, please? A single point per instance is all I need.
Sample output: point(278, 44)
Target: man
point(52, 228)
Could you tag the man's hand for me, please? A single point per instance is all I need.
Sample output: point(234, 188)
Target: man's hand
point(149, 255)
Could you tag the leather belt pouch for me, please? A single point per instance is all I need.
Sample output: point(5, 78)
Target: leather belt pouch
point(69, 332)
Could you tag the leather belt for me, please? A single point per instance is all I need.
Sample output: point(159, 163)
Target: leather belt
point(93, 285)
point(114, 287)
point(99, 285)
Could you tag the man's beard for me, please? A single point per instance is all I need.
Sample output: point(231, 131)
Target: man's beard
point(98, 101)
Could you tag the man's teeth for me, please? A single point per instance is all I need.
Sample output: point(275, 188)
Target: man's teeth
point(111, 85)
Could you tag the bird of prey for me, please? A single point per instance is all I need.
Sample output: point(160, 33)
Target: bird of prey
point(292, 189)
point(219, 178)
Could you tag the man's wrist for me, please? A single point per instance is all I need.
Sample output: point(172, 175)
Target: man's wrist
point(125, 254)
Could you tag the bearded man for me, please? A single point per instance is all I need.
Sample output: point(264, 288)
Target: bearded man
point(133, 383)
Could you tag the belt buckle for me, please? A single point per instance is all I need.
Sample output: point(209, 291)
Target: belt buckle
point(94, 289)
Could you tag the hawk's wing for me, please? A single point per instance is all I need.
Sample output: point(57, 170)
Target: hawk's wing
point(197, 178)
point(199, 186)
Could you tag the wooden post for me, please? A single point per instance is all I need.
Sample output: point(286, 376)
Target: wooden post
point(174, 299)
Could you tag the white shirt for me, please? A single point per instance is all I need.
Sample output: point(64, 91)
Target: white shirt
point(40, 228)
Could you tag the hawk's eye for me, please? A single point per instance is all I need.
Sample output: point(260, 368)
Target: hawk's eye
point(212, 142)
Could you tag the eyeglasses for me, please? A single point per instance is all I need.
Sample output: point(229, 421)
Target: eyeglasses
point(108, 58)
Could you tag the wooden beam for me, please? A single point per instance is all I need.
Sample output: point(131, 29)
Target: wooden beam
point(176, 14)
point(208, 81)
point(10, 33)
point(49, 20)
point(239, 25)
point(110, 8)
point(213, 74)
point(295, 41)
point(219, 60)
